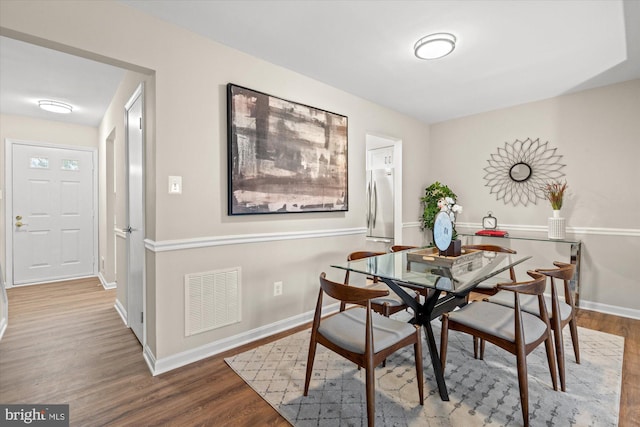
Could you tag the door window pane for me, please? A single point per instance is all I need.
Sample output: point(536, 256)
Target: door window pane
point(70, 165)
point(40, 162)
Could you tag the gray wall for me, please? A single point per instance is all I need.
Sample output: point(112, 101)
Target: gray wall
point(597, 132)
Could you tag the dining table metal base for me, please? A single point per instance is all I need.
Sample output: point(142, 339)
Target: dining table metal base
point(433, 307)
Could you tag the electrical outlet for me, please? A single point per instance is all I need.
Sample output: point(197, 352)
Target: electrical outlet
point(277, 288)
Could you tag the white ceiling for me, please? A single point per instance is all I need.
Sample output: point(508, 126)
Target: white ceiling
point(29, 73)
point(509, 51)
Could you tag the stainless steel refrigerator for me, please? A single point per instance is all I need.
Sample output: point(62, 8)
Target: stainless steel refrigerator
point(380, 205)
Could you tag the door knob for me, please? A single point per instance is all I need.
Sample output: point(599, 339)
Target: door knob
point(19, 224)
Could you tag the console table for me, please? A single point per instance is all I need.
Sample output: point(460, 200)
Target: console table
point(576, 249)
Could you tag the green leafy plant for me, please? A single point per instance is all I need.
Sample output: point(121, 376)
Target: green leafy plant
point(554, 192)
point(432, 195)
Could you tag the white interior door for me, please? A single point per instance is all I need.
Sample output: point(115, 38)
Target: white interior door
point(135, 214)
point(52, 213)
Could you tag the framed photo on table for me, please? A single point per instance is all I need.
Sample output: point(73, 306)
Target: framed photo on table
point(284, 157)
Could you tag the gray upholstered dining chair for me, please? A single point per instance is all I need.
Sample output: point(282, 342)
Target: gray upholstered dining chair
point(562, 312)
point(362, 336)
point(510, 328)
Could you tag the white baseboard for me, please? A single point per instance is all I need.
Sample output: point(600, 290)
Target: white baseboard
point(106, 285)
point(610, 309)
point(166, 364)
point(122, 312)
point(148, 356)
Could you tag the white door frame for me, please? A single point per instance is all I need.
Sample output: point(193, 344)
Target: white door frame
point(374, 141)
point(138, 93)
point(8, 205)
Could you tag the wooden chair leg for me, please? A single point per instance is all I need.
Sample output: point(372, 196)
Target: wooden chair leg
point(574, 338)
point(312, 354)
point(386, 312)
point(521, 361)
point(559, 344)
point(444, 341)
point(478, 348)
point(371, 394)
point(551, 361)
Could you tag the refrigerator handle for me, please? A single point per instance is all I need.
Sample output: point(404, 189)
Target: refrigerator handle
point(369, 195)
point(375, 203)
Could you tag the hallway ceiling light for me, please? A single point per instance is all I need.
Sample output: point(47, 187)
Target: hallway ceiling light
point(55, 106)
point(435, 46)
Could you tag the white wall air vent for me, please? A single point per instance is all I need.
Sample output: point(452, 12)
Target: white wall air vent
point(212, 300)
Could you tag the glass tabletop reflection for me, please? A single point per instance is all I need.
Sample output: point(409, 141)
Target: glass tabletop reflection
point(419, 267)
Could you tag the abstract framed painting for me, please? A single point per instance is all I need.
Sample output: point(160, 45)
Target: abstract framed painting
point(284, 157)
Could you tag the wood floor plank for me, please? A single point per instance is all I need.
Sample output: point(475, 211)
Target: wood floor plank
point(65, 343)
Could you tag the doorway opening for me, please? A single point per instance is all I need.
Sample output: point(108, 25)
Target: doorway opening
point(383, 191)
point(107, 253)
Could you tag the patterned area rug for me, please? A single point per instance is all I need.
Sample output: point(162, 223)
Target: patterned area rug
point(482, 392)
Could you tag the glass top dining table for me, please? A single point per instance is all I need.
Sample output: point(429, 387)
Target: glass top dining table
point(448, 279)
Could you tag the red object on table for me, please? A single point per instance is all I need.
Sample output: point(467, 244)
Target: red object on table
point(493, 233)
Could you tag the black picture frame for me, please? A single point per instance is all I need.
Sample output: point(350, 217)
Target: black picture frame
point(283, 156)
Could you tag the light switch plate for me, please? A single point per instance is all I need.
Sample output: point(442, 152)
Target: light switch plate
point(175, 185)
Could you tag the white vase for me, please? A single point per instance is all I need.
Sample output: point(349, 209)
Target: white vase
point(557, 225)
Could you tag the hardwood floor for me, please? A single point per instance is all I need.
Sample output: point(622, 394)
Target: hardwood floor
point(66, 344)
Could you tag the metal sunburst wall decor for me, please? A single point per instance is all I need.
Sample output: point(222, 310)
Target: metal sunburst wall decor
point(518, 172)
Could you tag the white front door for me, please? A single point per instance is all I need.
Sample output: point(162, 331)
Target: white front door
point(52, 213)
point(135, 214)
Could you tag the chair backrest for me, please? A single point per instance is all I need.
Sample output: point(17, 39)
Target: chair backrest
point(495, 248)
point(349, 294)
point(362, 254)
point(398, 248)
point(532, 287)
point(565, 273)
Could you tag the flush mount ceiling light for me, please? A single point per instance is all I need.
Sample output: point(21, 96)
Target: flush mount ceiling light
point(55, 106)
point(435, 46)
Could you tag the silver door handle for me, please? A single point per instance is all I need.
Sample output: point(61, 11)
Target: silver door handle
point(368, 205)
point(381, 240)
point(375, 204)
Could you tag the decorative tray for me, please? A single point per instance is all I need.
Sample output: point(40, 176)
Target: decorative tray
point(432, 256)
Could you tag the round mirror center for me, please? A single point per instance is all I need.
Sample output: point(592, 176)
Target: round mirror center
point(520, 172)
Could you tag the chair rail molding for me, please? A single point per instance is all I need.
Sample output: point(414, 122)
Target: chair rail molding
point(603, 231)
point(203, 242)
